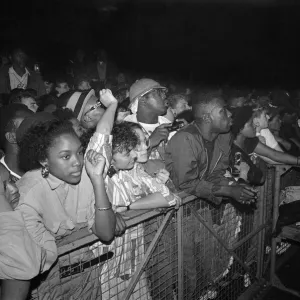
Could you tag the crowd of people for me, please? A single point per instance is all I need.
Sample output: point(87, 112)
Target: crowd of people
point(82, 153)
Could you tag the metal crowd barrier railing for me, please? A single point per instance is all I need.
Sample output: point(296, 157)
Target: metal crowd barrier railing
point(284, 176)
point(197, 252)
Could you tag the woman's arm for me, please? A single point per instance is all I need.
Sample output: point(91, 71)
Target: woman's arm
point(106, 123)
point(277, 156)
point(152, 201)
point(105, 219)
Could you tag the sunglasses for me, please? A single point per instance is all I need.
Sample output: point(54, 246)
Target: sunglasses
point(95, 106)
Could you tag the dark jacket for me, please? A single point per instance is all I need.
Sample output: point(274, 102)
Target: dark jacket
point(34, 82)
point(187, 161)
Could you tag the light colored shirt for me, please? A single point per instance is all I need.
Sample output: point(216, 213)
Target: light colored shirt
point(269, 137)
point(16, 81)
point(270, 142)
point(52, 208)
point(20, 256)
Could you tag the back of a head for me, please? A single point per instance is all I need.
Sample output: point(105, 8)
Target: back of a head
point(8, 114)
point(124, 137)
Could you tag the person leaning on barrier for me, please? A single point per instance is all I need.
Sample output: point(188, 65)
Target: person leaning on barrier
point(197, 156)
point(59, 195)
point(129, 187)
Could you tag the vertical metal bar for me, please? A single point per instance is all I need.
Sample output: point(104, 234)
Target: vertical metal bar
point(180, 252)
point(261, 233)
point(275, 217)
point(142, 265)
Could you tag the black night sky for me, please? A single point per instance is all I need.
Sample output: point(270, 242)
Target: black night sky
point(242, 42)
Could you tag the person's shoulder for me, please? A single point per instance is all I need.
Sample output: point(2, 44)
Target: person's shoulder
point(30, 180)
point(188, 132)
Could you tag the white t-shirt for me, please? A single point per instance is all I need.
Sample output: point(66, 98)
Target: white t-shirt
point(269, 137)
point(270, 142)
point(149, 127)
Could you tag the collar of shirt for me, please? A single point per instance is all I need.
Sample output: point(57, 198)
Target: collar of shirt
point(54, 182)
point(11, 70)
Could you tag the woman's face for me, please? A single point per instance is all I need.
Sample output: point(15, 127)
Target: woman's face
point(65, 158)
point(142, 147)
point(249, 130)
point(124, 160)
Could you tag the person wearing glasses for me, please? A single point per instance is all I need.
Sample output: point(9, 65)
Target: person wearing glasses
point(147, 104)
point(87, 108)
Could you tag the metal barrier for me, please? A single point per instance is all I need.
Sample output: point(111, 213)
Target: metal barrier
point(197, 252)
point(284, 176)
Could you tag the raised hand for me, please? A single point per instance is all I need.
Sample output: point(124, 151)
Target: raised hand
point(95, 164)
point(107, 98)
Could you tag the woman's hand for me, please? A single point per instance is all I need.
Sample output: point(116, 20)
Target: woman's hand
point(162, 176)
point(95, 165)
point(107, 98)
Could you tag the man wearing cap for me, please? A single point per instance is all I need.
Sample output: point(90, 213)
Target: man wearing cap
point(86, 106)
point(147, 106)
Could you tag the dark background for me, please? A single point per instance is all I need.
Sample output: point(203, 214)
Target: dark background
point(242, 42)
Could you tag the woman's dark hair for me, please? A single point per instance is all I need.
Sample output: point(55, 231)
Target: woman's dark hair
point(240, 116)
point(37, 141)
point(124, 137)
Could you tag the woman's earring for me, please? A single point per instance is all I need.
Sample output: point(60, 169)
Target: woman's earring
point(45, 171)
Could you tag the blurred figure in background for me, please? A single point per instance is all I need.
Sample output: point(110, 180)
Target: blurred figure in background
point(82, 83)
point(177, 104)
point(18, 75)
point(61, 86)
point(25, 97)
